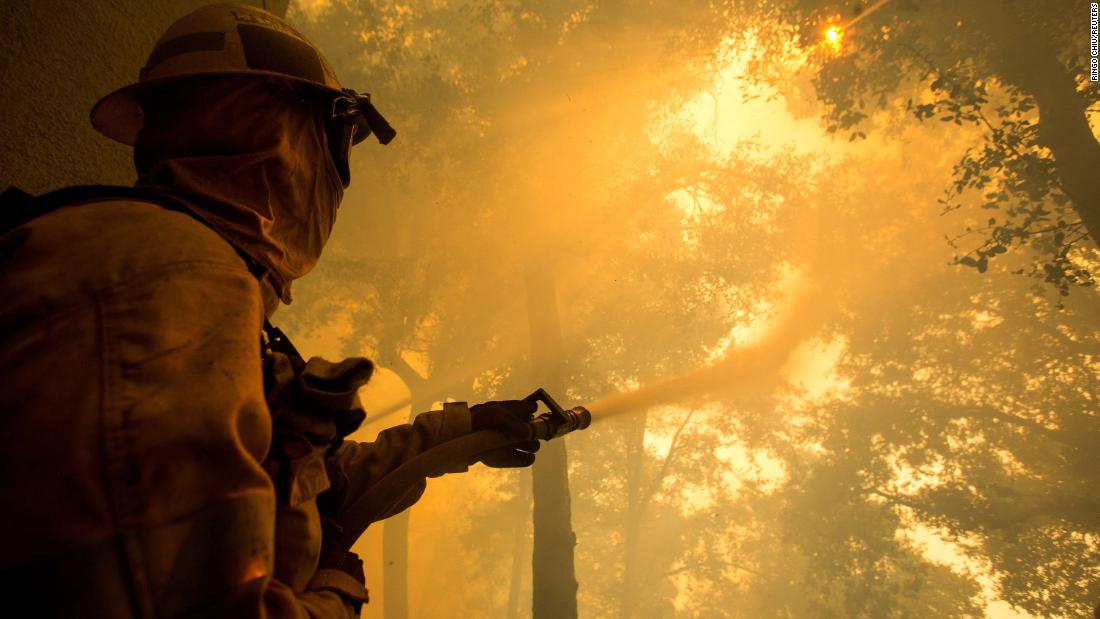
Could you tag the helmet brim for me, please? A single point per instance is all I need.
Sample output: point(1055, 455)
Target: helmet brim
point(119, 116)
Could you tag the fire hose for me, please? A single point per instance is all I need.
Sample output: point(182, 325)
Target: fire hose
point(391, 487)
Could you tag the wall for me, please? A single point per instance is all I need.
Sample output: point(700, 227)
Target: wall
point(57, 58)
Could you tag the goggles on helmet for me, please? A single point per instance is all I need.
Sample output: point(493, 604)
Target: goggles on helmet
point(351, 118)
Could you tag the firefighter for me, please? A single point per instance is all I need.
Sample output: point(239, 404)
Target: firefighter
point(166, 452)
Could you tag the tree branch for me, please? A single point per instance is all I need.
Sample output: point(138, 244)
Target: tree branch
point(656, 482)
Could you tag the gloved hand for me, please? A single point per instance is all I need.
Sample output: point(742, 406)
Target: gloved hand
point(373, 481)
point(511, 418)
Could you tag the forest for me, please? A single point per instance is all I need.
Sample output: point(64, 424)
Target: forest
point(824, 272)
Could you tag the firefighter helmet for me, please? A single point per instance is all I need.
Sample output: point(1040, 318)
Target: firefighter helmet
point(221, 39)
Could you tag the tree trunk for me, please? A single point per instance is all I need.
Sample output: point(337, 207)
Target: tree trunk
point(395, 546)
point(632, 524)
point(554, 582)
point(519, 542)
point(1063, 124)
point(395, 565)
point(1064, 129)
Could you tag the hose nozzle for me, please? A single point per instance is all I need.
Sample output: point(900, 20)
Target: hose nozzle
point(558, 421)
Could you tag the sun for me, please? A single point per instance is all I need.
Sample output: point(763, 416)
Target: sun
point(833, 36)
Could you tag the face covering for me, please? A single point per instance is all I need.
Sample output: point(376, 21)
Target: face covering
point(252, 156)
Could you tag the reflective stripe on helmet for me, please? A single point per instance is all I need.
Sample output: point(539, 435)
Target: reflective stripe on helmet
point(266, 49)
point(184, 44)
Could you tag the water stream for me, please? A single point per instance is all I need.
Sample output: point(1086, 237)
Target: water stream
point(754, 366)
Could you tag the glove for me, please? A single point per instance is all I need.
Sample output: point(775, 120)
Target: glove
point(511, 418)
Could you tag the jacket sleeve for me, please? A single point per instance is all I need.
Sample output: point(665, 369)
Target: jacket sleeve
point(283, 603)
point(356, 466)
point(223, 377)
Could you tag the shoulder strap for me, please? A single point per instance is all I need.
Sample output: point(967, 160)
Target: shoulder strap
point(18, 207)
point(272, 339)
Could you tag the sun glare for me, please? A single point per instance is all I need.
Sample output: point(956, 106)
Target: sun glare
point(833, 36)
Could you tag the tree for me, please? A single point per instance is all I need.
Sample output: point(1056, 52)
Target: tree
point(975, 63)
point(969, 409)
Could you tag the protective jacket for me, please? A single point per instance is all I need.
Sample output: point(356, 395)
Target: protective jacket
point(138, 451)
